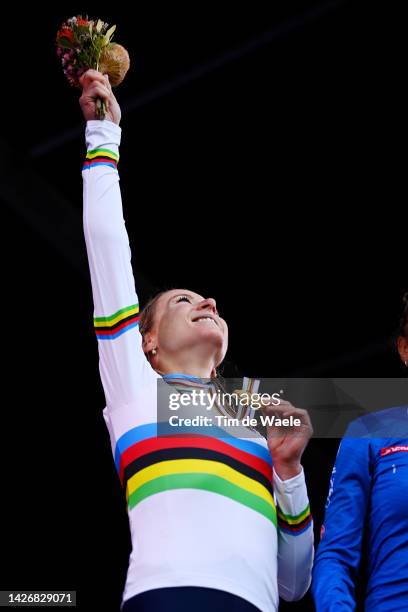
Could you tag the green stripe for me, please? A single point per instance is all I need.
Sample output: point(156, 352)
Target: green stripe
point(212, 483)
point(290, 517)
point(103, 151)
point(119, 312)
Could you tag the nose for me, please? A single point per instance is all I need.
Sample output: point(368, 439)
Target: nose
point(208, 304)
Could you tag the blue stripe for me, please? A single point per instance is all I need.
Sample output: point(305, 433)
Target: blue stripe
point(119, 333)
point(188, 376)
point(137, 434)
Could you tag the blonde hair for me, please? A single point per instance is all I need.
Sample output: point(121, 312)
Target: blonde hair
point(146, 320)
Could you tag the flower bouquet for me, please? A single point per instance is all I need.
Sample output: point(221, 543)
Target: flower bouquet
point(83, 44)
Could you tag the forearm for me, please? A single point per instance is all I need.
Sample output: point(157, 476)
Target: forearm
point(295, 536)
point(104, 226)
point(338, 555)
point(103, 214)
point(333, 586)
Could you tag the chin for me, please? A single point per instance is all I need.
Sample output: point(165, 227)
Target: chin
point(211, 335)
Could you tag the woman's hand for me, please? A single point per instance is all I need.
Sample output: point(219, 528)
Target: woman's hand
point(287, 443)
point(96, 85)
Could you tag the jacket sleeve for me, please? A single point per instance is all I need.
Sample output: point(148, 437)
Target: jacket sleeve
point(339, 552)
point(122, 364)
point(295, 536)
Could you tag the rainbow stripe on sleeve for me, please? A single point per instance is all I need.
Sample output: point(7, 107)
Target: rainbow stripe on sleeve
point(294, 525)
point(101, 157)
point(109, 328)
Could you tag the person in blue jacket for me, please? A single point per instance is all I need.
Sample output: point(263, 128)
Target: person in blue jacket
point(367, 509)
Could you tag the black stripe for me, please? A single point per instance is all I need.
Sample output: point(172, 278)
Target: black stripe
point(112, 327)
point(167, 454)
point(297, 526)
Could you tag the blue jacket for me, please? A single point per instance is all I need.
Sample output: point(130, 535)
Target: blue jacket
point(367, 504)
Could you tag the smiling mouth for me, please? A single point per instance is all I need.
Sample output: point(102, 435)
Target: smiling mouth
point(206, 321)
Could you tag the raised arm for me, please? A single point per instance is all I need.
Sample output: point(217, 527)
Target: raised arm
point(123, 366)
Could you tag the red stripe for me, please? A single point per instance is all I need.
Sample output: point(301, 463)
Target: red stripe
point(100, 159)
point(390, 450)
point(299, 527)
point(111, 332)
point(105, 161)
point(89, 165)
point(152, 444)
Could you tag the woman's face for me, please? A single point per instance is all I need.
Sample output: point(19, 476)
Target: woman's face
point(185, 320)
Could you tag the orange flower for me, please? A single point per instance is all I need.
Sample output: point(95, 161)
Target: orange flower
point(82, 22)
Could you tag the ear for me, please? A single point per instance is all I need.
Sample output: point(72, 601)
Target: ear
point(149, 342)
point(402, 344)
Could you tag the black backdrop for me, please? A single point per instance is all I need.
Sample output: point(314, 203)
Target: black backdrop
point(260, 165)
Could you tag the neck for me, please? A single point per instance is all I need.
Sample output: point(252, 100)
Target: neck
point(201, 368)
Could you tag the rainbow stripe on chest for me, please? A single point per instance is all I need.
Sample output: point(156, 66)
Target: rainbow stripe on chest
point(149, 464)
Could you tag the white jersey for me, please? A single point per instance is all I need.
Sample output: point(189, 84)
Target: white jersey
point(203, 511)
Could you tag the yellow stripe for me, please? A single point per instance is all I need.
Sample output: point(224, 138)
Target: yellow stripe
point(294, 521)
point(180, 466)
point(112, 322)
point(102, 154)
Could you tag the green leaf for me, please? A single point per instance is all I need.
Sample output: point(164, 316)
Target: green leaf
point(65, 43)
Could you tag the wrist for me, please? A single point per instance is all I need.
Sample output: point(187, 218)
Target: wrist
point(108, 123)
point(286, 470)
point(102, 134)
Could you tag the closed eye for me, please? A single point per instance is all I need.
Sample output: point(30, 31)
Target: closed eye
point(183, 298)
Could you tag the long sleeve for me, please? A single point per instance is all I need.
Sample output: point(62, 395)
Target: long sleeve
point(122, 363)
point(339, 552)
point(295, 536)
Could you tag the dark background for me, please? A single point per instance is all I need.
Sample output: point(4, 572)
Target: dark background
point(260, 165)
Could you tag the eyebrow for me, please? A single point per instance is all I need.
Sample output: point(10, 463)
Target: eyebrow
point(190, 296)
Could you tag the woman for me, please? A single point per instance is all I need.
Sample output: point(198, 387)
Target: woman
point(367, 508)
point(205, 530)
